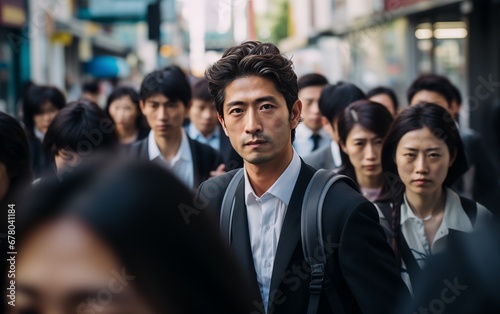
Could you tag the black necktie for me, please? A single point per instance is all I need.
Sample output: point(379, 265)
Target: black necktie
point(315, 138)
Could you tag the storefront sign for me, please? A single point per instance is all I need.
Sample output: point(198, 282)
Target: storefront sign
point(12, 13)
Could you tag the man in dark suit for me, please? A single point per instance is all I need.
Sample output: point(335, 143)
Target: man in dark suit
point(332, 102)
point(480, 182)
point(205, 128)
point(165, 98)
point(255, 92)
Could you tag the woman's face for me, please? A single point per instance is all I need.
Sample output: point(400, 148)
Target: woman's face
point(422, 160)
point(364, 150)
point(62, 267)
point(44, 118)
point(123, 112)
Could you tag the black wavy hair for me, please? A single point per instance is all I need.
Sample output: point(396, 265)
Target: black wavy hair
point(253, 58)
point(170, 82)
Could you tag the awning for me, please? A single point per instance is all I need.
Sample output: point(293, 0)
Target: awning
point(107, 67)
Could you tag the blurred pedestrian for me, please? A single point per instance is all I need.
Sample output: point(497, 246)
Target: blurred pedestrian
point(465, 278)
point(91, 91)
point(480, 182)
point(424, 155)
point(256, 96)
point(122, 106)
point(385, 96)
point(77, 132)
point(310, 134)
point(113, 240)
point(332, 102)
point(15, 175)
point(204, 126)
point(40, 106)
point(165, 98)
point(14, 158)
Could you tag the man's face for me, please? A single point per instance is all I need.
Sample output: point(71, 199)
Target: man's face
point(433, 97)
point(164, 116)
point(311, 115)
point(203, 115)
point(44, 118)
point(257, 120)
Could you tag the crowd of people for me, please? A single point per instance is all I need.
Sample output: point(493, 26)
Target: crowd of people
point(118, 209)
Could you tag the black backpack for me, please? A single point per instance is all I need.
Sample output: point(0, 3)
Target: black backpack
point(311, 232)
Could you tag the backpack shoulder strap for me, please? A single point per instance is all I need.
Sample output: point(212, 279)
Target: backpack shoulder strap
point(470, 208)
point(227, 207)
point(312, 237)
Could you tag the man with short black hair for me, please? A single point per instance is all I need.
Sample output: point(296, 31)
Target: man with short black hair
point(165, 98)
point(256, 96)
point(310, 134)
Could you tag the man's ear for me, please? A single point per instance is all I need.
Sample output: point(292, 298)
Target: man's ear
point(222, 123)
point(295, 114)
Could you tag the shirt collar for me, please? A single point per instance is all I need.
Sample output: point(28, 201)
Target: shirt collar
point(337, 157)
point(454, 217)
point(303, 132)
point(283, 187)
point(38, 134)
point(195, 134)
point(183, 153)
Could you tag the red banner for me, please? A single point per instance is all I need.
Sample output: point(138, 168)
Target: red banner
point(391, 5)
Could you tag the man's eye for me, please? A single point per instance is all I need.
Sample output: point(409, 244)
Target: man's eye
point(236, 110)
point(266, 106)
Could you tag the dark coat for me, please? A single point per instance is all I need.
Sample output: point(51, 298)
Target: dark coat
point(231, 158)
point(360, 262)
point(205, 158)
point(482, 174)
point(40, 162)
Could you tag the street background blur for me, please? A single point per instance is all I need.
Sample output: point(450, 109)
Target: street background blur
point(66, 43)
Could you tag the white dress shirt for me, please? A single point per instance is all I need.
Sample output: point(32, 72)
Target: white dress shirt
point(265, 219)
point(454, 217)
point(213, 140)
point(303, 143)
point(182, 163)
point(337, 158)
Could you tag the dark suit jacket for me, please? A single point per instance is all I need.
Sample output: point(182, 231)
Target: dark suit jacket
point(360, 262)
point(482, 174)
point(231, 158)
point(40, 162)
point(322, 159)
point(205, 158)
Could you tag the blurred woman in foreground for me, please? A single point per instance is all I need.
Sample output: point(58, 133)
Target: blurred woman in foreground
point(127, 241)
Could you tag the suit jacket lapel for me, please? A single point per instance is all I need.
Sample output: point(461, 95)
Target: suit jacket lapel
point(196, 160)
point(330, 164)
point(240, 242)
point(144, 149)
point(290, 232)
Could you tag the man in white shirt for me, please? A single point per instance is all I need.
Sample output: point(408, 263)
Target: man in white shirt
point(165, 98)
point(256, 96)
point(310, 134)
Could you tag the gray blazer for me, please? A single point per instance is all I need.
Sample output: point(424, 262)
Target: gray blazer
point(321, 159)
